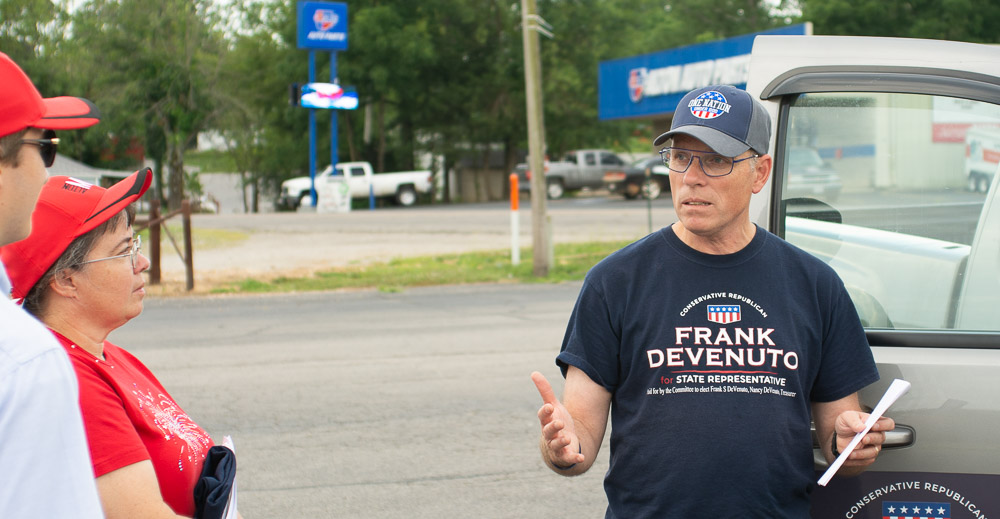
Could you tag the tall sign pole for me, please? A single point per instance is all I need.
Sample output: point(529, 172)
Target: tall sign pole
point(334, 154)
point(312, 133)
point(541, 230)
point(322, 26)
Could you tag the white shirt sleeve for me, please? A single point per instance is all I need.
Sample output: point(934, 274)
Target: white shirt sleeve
point(43, 449)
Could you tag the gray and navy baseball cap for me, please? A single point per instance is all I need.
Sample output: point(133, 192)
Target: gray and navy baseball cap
point(728, 119)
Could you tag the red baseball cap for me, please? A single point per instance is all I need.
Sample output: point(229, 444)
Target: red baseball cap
point(21, 106)
point(67, 208)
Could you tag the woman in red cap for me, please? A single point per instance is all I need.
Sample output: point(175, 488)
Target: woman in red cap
point(80, 273)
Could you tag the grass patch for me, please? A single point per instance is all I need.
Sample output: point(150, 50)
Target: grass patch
point(572, 261)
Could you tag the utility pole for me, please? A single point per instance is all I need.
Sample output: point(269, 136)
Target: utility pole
point(541, 229)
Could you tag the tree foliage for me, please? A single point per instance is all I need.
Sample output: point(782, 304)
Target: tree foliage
point(27, 31)
point(151, 67)
point(435, 77)
point(961, 20)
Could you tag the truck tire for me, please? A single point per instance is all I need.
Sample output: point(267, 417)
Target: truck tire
point(406, 196)
point(291, 204)
point(984, 183)
point(554, 188)
point(979, 182)
point(632, 190)
point(651, 189)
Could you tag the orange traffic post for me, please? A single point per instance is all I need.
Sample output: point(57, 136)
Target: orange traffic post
point(515, 232)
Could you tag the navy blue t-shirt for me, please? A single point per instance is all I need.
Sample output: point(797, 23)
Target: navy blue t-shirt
point(712, 362)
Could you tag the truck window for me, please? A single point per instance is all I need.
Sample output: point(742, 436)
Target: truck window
point(589, 159)
point(891, 190)
point(610, 159)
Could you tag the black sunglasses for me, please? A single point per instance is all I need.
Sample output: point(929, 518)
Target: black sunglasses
point(47, 146)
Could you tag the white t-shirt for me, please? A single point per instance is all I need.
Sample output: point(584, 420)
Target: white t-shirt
point(43, 451)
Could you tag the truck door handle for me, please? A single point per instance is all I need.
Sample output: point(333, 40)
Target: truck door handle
point(901, 436)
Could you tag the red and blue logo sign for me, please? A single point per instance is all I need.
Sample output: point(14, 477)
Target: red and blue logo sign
point(709, 105)
point(328, 96)
point(636, 83)
point(322, 25)
point(325, 19)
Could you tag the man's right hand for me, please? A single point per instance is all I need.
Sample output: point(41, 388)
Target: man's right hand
point(560, 443)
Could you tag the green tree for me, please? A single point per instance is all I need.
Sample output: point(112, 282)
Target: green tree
point(267, 138)
point(439, 76)
point(264, 135)
point(960, 20)
point(27, 29)
point(32, 33)
point(152, 68)
point(475, 101)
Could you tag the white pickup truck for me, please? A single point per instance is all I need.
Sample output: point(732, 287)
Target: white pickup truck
point(403, 187)
point(918, 251)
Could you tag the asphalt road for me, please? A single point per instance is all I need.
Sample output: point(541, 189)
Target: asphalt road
point(365, 404)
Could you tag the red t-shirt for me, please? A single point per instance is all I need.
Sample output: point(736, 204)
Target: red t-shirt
point(129, 417)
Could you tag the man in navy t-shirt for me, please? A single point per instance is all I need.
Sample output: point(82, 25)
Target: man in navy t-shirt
point(712, 343)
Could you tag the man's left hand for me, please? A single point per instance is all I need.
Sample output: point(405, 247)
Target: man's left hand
point(848, 424)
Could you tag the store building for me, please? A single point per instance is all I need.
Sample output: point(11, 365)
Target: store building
point(650, 85)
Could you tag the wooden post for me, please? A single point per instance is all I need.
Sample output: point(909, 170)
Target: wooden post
point(541, 236)
point(188, 247)
point(154, 241)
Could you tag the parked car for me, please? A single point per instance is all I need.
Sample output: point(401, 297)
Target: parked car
point(918, 255)
point(577, 170)
point(810, 175)
point(632, 182)
point(402, 187)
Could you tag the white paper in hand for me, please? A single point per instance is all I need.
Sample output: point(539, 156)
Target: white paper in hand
point(897, 389)
point(230, 512)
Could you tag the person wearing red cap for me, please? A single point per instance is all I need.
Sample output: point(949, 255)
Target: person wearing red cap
point(80, 273)
point(43, 448)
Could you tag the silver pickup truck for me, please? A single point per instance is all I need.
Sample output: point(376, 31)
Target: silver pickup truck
point(919, 251)
point(577, 170)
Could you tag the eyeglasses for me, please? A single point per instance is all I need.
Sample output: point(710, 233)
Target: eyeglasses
point(713, 164)
point(132, 254)
point(47, 145)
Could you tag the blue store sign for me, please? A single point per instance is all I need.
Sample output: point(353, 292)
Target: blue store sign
point(653, 84)
point(322, 25)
